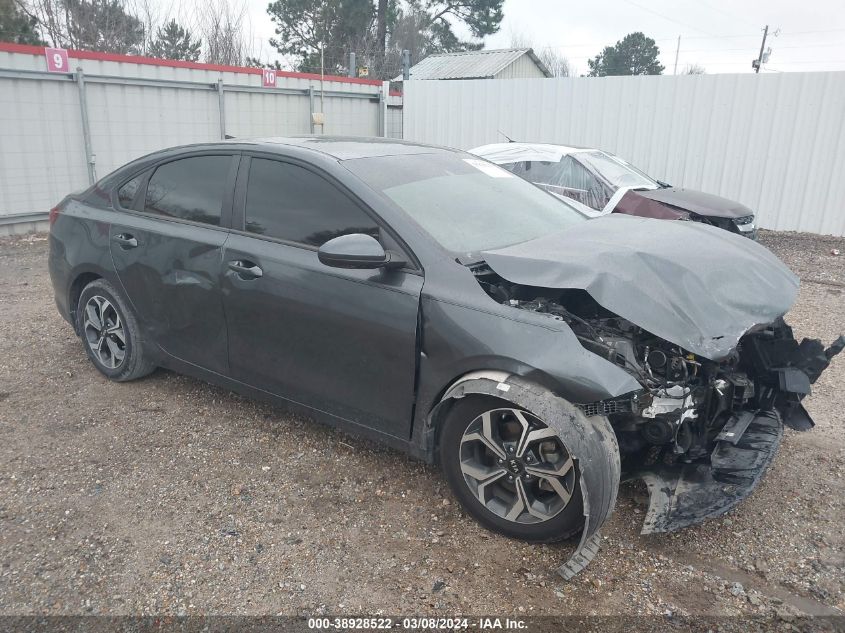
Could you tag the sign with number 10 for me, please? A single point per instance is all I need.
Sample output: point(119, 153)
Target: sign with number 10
point(268, 78)
point(57, 61)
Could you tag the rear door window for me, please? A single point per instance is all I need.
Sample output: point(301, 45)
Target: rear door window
point(291, 203)
point(190, 189)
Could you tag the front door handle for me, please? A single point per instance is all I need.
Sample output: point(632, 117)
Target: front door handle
point(125, 240)
point(245, 269)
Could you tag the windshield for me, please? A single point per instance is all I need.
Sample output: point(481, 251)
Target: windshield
point(466, 204)
point(616, 171)
point(565, 178)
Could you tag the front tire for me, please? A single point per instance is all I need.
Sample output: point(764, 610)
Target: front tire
point(511, 471)
point(110, 333)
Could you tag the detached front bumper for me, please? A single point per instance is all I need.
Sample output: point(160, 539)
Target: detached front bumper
point(681, 495)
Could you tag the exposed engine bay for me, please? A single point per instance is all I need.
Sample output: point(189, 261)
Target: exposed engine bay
point(700, 432)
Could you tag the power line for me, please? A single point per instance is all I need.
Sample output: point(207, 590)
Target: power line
point(701, 50)
point(666, 17)
point(743, 63)
point(778, 47)
point(814, 61)
point(722, 11)
point(757, 35)
point(782, 33)
point(698, 37)
point(591, 45)
point(721, 37)
point(712, 49)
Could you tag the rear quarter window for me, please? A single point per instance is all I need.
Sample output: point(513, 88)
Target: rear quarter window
point(127, 192)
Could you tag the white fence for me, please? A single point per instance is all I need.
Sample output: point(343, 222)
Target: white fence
point(773, 142)
point(135, 106)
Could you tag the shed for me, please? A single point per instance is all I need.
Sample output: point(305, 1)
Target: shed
point(507, 63)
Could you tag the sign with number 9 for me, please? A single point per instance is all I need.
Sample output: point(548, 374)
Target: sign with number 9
point(57, 60)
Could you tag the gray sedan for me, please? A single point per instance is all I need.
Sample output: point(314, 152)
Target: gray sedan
point(433, 301)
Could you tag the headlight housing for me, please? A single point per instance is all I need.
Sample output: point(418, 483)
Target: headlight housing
point(746, 226)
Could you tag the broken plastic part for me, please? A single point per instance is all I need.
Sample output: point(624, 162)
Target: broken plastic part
point(581, 558)
point(684, 494)
point(837, 346)
point(796, 417)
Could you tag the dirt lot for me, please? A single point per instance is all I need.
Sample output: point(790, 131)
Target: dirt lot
point(168, 495)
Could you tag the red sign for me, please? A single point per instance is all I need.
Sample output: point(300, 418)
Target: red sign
point(57, 61)
point(268, 78)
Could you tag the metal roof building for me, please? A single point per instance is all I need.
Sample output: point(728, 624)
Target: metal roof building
point(508, 63)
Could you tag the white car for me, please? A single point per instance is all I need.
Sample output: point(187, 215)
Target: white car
point(597, 183)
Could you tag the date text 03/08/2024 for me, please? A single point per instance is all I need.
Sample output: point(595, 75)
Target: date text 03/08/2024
point(416, 623)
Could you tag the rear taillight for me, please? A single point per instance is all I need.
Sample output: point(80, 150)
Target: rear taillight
point(54, 213)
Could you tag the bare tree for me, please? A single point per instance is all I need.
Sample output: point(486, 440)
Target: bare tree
point(152, 17)
point(96, 25)
point(221, 26)
point(557, 64)
point(693, 69)
point(51, 18)
point(135, 27)
point(554, 61)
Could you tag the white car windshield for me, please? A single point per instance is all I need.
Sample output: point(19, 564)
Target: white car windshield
point(465, 203)
point(616, 171)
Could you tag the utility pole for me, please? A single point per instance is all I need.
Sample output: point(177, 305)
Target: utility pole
point(677, 52)
point(406, 65)
point(353, 70)
point(322, 76)
point(381, 38)
point(759, 61)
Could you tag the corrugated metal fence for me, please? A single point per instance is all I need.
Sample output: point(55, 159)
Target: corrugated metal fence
point(773, 142)
point(136, 106)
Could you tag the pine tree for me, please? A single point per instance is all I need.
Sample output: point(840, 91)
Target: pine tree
point(307, 28)
point(175, 42)
point(16, 26)
point(635, 54)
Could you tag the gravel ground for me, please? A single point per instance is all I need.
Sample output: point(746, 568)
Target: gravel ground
point(170, 496)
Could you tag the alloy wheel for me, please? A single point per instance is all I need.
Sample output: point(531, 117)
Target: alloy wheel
point(104, 332)
point(517, 466)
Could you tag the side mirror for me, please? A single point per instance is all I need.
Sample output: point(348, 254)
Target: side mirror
point(354, 251)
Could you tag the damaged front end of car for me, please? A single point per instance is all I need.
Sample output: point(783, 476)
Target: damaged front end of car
point(718, 380)
point(701, 432)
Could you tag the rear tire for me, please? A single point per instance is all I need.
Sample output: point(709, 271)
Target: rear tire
point(501, 501)
point(110, 333)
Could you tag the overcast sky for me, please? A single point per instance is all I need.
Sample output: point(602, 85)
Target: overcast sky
point(723, 36)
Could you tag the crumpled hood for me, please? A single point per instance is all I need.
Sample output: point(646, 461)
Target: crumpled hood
point(691, 284)
point(698, 202)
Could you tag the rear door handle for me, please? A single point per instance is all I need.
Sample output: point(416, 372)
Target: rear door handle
point(125, 240)
point(245, 269)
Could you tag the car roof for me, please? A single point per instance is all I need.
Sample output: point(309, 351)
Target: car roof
point(339, 147)
point(518, 152)
point(348, 147)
